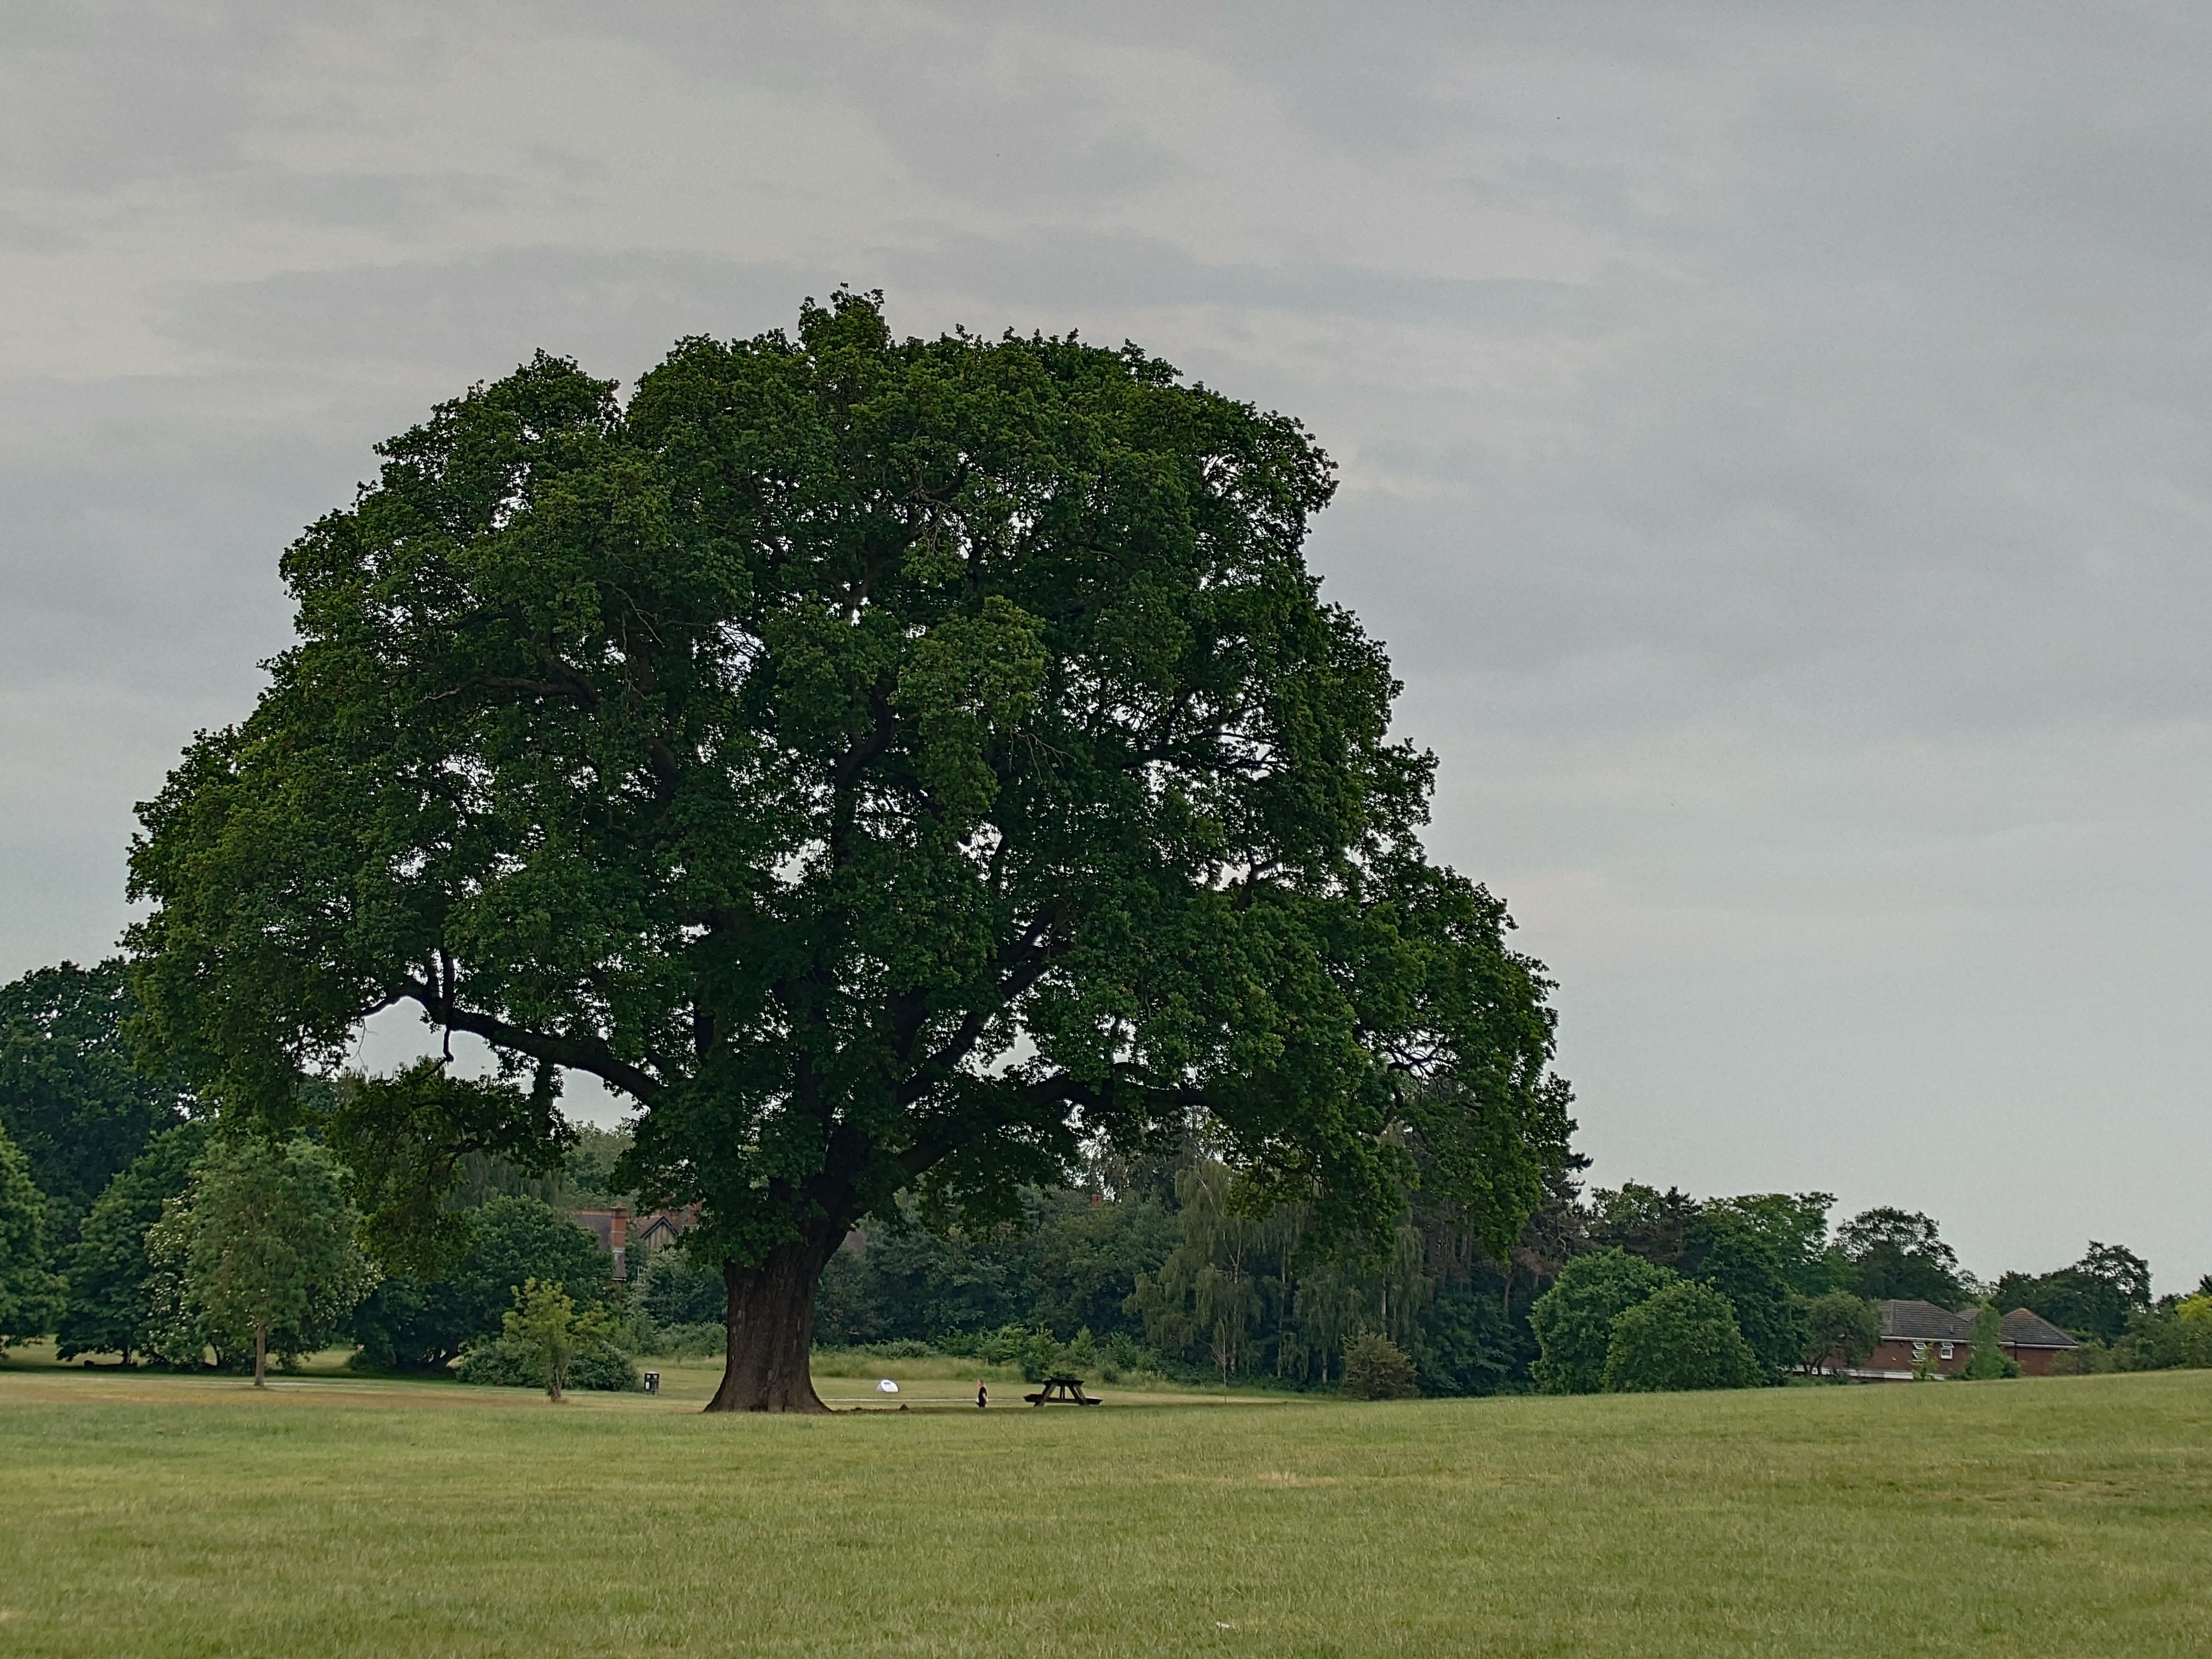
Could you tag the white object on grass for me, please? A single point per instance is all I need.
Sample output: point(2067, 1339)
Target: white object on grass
point(887, 1386)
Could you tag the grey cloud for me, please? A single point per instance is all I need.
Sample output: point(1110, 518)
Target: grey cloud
point(1803, 586)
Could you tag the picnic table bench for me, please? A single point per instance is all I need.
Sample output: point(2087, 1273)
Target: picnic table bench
point(1069, 1388)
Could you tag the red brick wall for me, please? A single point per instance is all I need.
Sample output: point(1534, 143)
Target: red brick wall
point(2034, 1362)
point(1895, 1356)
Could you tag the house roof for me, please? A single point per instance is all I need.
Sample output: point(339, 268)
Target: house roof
point(2023, 1329)
point(1923, 1321)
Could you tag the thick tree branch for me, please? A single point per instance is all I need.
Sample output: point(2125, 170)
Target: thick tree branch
point(576, 1054)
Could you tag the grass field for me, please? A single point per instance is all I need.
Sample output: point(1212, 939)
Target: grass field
point(154, 1515)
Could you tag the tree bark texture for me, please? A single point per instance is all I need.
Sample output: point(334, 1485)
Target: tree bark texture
point(771, 1327)
point(260, 1355)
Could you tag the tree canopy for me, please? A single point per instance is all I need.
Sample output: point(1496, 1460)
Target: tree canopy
point(30, 1295)
point(70, 1090)
point(1682, 1336)
point(411, 1323)
point(109, 1309)
point(2094, 1298)
point(1898, 1253)
point(1573, 1321)
point(892, 765)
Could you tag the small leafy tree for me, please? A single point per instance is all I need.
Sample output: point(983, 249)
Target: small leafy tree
point(1841, 1330)
point(111, 1309)
point(546, 1336)
point(1376, 1368)
point(30, 1295)
point(1682, 1337)
point(1573, 1320)
point(1987, 1359)
point(262, 1249)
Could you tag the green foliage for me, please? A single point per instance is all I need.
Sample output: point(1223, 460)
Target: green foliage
point(1683, 1336)
point(1727, 1251)
point(2192, 1321)
point(70, 1092)
point(2176, 1331)
point(891, 764)
point(406, 1141)
point(1793, 1227)
point(416, 1324)
point(258, 1255)
point(110, 1310)
point(1842, 1330)
point(1891, 1253)
point(1242, 1294)
point(675, 1290)
point(545, 1342)
point(30, 1295)
point(1469, 1343)
point(1573, 1321)
point(2096, 1297)
point(1376, 1368)
point(1645, 1222)
point(1987, 1359)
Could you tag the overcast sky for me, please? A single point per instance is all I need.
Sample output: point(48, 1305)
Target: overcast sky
point(1774, 447)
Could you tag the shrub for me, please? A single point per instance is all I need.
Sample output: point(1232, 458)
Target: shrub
point(1376, 1368)
point(1682, 1337)
point(1039, 1355)
point(1573, 1320)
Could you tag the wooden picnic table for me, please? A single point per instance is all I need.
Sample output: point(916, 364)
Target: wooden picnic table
point(1069, 1388)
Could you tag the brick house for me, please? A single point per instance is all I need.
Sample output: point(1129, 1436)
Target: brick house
point(1919, 1335)
point(618, 1234)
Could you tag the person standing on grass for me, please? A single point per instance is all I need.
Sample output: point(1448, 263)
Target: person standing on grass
point(982, 1394)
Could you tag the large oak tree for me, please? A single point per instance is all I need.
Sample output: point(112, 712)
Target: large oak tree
point(890, 765)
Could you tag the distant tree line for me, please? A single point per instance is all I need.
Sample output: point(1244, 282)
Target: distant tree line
point(130, 1228)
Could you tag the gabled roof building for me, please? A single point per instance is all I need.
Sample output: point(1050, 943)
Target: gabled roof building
point(1919, 1339)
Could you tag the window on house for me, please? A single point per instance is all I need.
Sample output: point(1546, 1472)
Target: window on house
point(1920, 1351)
point(1947, 1351)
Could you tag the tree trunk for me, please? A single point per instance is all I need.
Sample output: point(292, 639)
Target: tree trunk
point(260, 1355)
point(771, 1327)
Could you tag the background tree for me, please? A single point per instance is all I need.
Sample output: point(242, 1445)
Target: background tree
point(1644, 1221)
point(30, 1295)
point(264, 1241)
point(1725, 1250)
point(409, 1322)
point(2095, 1296)
point(1891, 1253)
point(71, 1091)
point(1841, 1330)
point(892, 765)
point(1573, 1320)
point(1793, 1227)
point(109, 1308)
point(1683, 1336)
